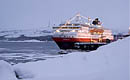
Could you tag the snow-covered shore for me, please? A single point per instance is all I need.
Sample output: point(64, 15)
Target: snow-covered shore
point(28, 32)
point(109, 62)
point(33, 40)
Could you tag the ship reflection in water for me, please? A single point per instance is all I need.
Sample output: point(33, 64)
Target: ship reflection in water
point(81, 33)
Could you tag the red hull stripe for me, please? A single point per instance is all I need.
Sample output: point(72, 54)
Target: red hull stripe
point(75, 39)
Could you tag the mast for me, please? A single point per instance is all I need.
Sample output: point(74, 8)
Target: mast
point(78, 19)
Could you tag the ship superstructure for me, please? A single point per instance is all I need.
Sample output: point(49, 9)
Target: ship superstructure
point(81, 32)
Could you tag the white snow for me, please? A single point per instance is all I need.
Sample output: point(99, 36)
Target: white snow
point(6, 71)
point(28, 33)
point(27, 41)
point(110, 62)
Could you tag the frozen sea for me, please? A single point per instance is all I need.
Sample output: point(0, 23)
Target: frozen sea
point(21, 52)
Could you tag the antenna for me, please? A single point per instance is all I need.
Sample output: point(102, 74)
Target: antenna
point(77, 18)
point(49, 24)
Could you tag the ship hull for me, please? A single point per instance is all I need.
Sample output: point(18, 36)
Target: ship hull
point(71, 43)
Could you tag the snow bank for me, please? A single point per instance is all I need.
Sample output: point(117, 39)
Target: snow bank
point(6, 71)
point(24, 73)
point(110, 62)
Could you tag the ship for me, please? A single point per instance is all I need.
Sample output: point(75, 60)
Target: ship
point(80, 32)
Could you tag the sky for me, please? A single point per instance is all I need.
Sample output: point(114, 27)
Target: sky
point(38, 14)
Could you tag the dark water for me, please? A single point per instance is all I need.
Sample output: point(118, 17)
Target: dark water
point(21, 52)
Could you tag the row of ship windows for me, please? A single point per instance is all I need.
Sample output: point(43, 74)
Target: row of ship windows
point(66, 27)
point(97, 33)
point(70, 24)
point(80, 31)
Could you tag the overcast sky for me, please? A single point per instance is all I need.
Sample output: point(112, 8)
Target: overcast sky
point(32, 14)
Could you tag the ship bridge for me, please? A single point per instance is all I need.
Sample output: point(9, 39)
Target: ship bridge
point(74, 23)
